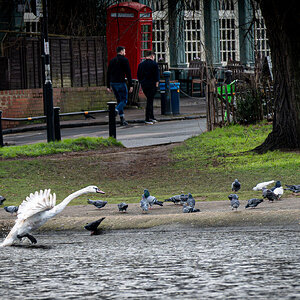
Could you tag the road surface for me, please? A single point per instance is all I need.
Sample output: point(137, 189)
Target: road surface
point(136, 135)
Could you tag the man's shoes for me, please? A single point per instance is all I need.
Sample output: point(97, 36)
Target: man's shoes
point(153, 121)
point(148, 123)
point(123, 122)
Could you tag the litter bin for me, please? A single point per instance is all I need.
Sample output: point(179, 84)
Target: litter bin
point(175, 97)
point(163, 100)
point(228, 89)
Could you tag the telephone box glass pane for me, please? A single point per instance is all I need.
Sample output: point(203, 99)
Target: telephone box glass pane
point(145, 37)
point(146, 28)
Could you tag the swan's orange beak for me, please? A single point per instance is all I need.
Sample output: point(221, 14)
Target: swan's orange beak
point(99, 191)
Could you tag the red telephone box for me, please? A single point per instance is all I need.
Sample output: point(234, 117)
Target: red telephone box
point(129, 24)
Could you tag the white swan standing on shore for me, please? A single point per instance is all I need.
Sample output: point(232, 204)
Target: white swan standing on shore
point(37, 209)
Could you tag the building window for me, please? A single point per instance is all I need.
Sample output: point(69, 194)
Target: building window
point(31, 23)
point(228, 23)
point(193, 46)
point(159, 41)
point(160, 29)
point(261, 47)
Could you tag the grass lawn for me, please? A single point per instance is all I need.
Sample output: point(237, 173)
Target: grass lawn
point(204, 165)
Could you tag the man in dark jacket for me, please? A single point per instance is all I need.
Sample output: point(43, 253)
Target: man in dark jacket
point(148, 76)
point(118, 70)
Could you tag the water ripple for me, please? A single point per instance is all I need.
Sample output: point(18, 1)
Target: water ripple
point(172, 264)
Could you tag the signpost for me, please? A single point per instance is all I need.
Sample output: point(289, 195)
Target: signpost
point(47, 89)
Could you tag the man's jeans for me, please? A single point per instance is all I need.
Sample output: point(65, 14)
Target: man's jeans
point(121, 92)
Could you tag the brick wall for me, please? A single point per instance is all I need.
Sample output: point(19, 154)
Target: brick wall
point(29, 103)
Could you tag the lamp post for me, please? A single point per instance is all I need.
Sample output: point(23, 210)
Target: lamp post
point(47, 89)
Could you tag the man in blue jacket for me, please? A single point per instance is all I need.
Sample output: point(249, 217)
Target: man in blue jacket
point(118, 70)
point(148, 76)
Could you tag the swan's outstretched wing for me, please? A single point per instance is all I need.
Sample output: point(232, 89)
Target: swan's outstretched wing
point(36, 203)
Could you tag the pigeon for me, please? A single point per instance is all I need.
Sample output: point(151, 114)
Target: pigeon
point(93, 226)
point(175, 199)
point(122, 206)
point(278, 192)
point(234, 201)
point(189, 209)
point(98, 203)
point(144, 204)
point(11, 209)
point(277, 185)
point(191, 201)
point(253, 202)
point(2, 199)
point(151, 199)
point(178, 199)
point(235, 186)
point(269, 195)
point(262, 185)
point(293, 188)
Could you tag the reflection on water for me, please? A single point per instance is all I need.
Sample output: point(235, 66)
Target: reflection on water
point(155, 264)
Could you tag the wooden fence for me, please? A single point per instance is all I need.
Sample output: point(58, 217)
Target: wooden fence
point(227, 103)
point(75, 62)
point(220, 109)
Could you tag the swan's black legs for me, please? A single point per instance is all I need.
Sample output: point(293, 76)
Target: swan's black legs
point(30, 237)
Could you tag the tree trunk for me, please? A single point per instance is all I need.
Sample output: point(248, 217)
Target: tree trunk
point(282, 20)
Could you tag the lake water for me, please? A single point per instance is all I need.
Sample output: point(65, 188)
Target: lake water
point(162, 263)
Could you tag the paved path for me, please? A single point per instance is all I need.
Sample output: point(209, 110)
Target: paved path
point(134, 135)
point(170, 129)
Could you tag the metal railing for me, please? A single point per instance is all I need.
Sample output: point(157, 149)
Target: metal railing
point(57, 115)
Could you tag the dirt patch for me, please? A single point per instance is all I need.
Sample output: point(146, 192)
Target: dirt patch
point(119, 162)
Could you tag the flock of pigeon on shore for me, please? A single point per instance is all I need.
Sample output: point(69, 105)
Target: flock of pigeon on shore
point(187, 201)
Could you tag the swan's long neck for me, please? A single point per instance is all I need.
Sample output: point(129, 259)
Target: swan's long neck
point(61, 206)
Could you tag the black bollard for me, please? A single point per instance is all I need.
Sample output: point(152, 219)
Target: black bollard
point(1, 135)
point(168, 107)
point(57, 134)
point(112, 119)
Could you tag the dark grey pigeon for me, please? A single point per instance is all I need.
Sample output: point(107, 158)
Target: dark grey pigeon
point(191, 201)
point(93, 226)
point(253, 202)
point(122, 206)
point(234, 202)
point(175, 199)
point(97, 203)
point(189, 209)
point(277, 185)
point(2, 199)
point(11, 209)
point(144, 204)
point(235, 186)
point(293, 188)
point(178, 199)
point(267, 193)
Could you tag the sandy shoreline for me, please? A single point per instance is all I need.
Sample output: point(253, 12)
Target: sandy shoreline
point(213, 214)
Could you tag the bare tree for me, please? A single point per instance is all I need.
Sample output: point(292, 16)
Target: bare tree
point(282, 21)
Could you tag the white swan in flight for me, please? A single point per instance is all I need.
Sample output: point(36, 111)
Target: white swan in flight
point(37, 209)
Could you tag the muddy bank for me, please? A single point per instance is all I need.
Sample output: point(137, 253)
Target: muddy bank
point(213, 214)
